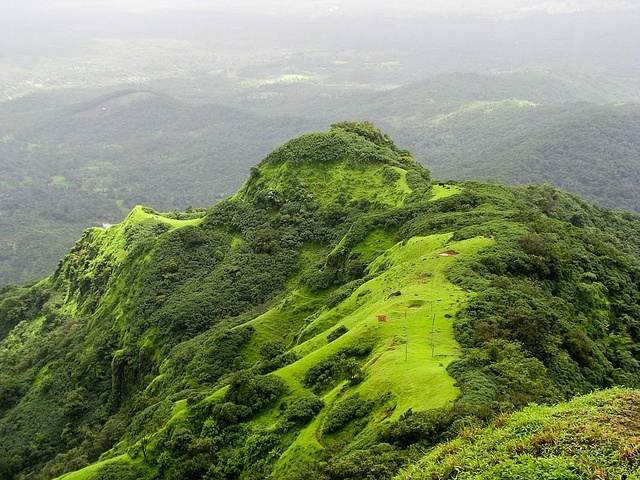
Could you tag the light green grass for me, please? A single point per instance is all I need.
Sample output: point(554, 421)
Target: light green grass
point(406, 375)
point(138, 214)
point(378, 241)
point(342, 182)
point(440, 191)
point(402, 181)
point(88, 472)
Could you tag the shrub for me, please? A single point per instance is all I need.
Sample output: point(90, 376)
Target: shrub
point(272, 348)
point(427, 427)
point(337, 333)
point(318, 280)
point(229, 413)
point(381, 462)
point(254, 391)
point(119, 471)
point(274, 364)
point(303, 409)
point(343, 293)
point(146, 229)
point(341, 365)
point(349, 409)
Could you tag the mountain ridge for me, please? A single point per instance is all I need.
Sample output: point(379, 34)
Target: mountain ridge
point(290, 331)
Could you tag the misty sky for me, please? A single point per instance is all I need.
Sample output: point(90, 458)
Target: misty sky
point(330, 7)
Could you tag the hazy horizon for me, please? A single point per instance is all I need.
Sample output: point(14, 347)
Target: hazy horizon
point(311, 8)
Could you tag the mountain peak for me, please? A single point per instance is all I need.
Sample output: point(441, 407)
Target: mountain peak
point(353, 160)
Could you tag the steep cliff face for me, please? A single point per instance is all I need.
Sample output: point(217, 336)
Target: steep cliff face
point(336, 311)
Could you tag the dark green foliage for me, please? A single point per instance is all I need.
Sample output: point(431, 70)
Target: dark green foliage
point(266, 240)
point(358, 142)
point(11, 390)
point(312, 148)
point(380, 462)
point(195, 280)
point(337, 333)
point(343, 293)
point(390, 175)
point(272, 349)
point(149, 420)
point(303, 409)
point(253, 391)
point(427, 428)
point(500, 376)
point(418, 180)
point(226, 446)
point(318, 280)
point(565, 296)
point(10, 465)
point(230, 413)
point(342, 365)
point(18, 304)
point(367, 131)
point(268, 366)
point(139, 232)
point(207, 358)
point(351, 408)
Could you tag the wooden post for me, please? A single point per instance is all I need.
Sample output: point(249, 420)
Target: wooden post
point(406, 344)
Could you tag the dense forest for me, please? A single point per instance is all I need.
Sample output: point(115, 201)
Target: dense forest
point(341, 316)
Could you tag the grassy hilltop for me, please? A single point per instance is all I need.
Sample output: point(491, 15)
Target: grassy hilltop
point(246, 341)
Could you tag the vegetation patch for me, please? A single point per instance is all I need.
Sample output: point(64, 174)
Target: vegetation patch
point(571, 440)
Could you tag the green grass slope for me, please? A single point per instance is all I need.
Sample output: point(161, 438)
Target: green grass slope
point(246, 341)
point(594, 436)
point(410, 349)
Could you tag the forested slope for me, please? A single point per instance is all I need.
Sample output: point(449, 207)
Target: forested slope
point(336, 317)
point(70, 162)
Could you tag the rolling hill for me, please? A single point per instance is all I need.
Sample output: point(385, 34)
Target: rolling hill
point(335, 318)
point(576, 132)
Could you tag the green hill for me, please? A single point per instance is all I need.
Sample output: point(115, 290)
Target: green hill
point(576, 132)
point(592, 150)
point(336, 317)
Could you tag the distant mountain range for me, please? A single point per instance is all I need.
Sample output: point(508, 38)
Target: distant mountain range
point(75, 159)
